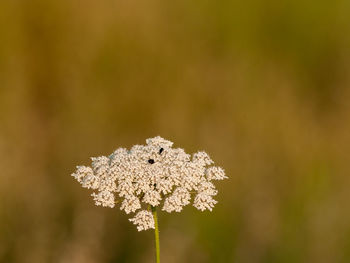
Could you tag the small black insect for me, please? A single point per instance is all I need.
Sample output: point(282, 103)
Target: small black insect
point(161, 150)
point(151, 161)
point(154, 185)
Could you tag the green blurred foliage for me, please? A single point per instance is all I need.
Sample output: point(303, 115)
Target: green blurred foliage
point(263, 86)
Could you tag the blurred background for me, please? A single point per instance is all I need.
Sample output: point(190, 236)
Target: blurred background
point(262, 86)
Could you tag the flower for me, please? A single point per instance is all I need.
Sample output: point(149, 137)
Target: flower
point(151, 175)
point(144, 220)
point(177, 200)
point(130, 204)
point(104, 198)
point(215, 173)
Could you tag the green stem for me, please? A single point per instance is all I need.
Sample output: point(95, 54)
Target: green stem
point(156, 234)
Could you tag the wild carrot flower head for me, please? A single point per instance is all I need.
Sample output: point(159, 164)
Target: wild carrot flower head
point(155, 175)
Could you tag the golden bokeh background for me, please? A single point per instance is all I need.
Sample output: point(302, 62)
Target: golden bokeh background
point(262, 86)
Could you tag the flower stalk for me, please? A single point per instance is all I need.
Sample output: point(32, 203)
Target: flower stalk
point(156, 234)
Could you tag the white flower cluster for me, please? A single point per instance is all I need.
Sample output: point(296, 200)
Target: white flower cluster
point(154, 175)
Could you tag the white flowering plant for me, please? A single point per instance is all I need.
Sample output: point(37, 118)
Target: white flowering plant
point(151, 176)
